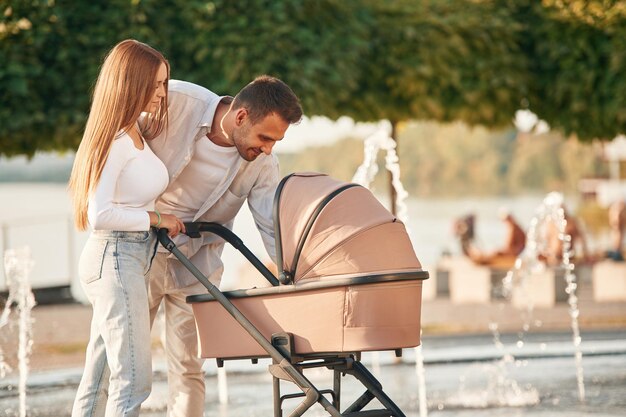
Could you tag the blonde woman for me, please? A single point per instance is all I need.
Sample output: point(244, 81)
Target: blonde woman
point(114, 183)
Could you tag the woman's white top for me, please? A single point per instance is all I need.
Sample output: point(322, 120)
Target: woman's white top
point(131, 181)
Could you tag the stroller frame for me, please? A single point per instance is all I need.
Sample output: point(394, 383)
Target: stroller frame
point(287, 364)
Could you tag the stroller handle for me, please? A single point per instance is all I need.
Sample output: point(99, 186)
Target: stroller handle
point(195, 229)
point(281, 361)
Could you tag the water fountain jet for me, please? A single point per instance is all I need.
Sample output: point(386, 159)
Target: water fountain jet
point(550, 211)
point(364, 175)
point(18, 265)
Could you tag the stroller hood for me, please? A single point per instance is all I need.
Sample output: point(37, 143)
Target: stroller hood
point(327, 228)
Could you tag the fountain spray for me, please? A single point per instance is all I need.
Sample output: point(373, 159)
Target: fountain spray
point(364, 176)
point(18, 264)
point(550, 211)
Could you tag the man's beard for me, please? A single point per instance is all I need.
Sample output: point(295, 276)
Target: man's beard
point(239, 139)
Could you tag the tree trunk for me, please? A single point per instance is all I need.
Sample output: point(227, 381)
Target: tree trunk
point(392, 191)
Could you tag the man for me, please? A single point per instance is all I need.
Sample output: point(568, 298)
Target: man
point(218, 154)
point(617, 223)
point(515, 236)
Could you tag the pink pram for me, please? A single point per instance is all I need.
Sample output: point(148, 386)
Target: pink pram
point(350, 283)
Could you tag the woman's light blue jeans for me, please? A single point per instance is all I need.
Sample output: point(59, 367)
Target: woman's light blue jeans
point(118, 367)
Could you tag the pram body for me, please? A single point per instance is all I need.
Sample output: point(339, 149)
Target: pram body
point(350, 283)
point(343, 315)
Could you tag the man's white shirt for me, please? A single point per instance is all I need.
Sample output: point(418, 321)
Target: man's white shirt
point(206, 170)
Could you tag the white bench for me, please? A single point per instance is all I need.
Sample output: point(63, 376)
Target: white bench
point(609, 281)
point(468, 282)
point(537, 290)
point(471, 283)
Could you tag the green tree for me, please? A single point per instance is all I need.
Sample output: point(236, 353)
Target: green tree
point(441, 60)
point(314, 46)
point(51, 52)
point(453, 159)
point(577, 51)
point(471, 60)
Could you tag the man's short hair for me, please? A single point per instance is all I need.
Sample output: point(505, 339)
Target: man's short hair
point(266, 95)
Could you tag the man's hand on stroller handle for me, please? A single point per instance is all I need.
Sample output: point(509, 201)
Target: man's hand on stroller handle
point(195, 230)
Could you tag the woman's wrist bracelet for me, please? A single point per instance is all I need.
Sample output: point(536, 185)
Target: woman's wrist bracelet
point(158, 217)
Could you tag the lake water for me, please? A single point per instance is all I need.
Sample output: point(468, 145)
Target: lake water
point(38, 215)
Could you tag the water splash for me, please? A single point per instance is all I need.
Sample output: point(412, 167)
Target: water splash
point(488, 385)
point(18, 265)
point(5, 368)
point(366, 172)
point(421, 380)
point(550, 211)
point(364, 175)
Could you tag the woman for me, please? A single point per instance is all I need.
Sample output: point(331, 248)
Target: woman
point(114, 183)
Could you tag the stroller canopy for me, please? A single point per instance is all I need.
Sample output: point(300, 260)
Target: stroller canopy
point(329, 228)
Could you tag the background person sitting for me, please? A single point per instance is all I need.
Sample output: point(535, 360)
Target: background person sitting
point(515, 236)
point(464, 230)
point(617, 222)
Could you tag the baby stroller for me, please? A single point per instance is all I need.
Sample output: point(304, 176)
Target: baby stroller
point(348, 282)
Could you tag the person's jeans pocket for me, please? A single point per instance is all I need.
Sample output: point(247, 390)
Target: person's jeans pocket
point(152, 251)
point(92, 260)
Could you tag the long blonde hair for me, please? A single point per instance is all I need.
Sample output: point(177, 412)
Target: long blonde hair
point(123, 90)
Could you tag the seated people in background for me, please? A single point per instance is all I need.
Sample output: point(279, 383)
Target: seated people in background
point(514, 243)
point(464, 230)
point(617, 221)
point(515, 237)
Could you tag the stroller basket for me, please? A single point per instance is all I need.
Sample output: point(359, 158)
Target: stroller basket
point(343, 315)
point(350, 283)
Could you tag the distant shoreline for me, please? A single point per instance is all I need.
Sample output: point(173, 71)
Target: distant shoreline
point(49, 167)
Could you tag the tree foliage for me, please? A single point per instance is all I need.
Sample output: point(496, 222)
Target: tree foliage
point(51, 52)
point(471, 60)
point(312, 45)
point(578, 51)
point(441, 60)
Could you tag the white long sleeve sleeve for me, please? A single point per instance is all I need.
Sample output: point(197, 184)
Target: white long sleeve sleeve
point(130, 182)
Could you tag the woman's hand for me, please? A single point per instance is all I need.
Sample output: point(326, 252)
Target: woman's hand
point(173, 224)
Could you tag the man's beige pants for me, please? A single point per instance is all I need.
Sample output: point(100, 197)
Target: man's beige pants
point(185, 377)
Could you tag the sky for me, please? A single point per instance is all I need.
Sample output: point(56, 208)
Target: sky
point(319, 131)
